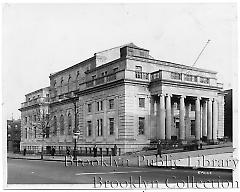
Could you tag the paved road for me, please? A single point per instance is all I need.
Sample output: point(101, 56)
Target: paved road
point(49, 172)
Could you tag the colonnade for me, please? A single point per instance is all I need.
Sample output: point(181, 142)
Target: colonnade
point(206, 116)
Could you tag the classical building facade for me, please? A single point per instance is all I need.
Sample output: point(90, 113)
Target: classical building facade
point(34, 119)
point(126, 97)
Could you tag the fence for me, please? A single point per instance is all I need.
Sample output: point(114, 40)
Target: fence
point(105, 149)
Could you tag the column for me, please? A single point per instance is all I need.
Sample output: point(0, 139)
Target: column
point(181, 118)
point(215, 119)
point(173, 132)
point(209, 120)
point(168, 117)
point(161, 128)
point(197, 118)
point(204, 119)
point(153, 117)
point(187, 120)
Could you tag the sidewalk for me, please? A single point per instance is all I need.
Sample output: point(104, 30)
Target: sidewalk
point(141, 158)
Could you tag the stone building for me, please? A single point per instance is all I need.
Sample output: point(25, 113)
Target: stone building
point(126, 97)
point(34, 120)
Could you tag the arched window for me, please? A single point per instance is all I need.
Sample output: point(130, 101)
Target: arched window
point(69, 78)
point(61, 81)
point(69, 124)
point(61, 125)
point(54, 83)
point(54, 125)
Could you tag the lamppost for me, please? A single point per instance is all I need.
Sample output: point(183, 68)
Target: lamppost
point(75, 137)
point(75, 132)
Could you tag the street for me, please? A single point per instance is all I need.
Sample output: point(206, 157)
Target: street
point(22, 171)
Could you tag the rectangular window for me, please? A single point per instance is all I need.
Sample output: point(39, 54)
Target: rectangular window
point(192, 127)
point(111, 103)
point(141, 123)
point(35, 117)
point(89, 108)
point(204, 80)
point(190, 78)
point(26, 133)
point(142, 102)
point(192, 107)
point(178, 106)
point(47, 132)
point(138, 73)
point(111, 126)
point(35, 132)
point(25, 119)
point(89, 127)
point(99, 105)
point(99, 127)
point(175, 75)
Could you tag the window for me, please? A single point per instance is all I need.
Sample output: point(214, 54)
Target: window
point(35, 117)
point(178, 106)
point(25, 119)
point(47, 132)
point(47, 95)
point(61, 125)
point(69, 124)
point(78, 74)
point(26, 133)
point(89, 128)
point(138, 73)
point(69, 78)
point(105, 73)
point(141, 122)
point(89, 106)
point(102, 74)
point(35, 132)
point(192, 107)
point(54, 125)
point(61, 81)
point(190, 78)
point(99, 105)
point(175, 76)
point(204, 80)
point(54, 83)
point(99, 127)
point(111, 103)
point(111, 126)
point(192, 127)
point(142, 102)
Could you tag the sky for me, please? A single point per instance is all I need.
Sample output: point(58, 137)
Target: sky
point(39, 39)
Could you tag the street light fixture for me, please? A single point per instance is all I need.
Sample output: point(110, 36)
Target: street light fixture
point(75, 132)
point(75, 137)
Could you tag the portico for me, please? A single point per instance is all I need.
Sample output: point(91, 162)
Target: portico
point(164, 116)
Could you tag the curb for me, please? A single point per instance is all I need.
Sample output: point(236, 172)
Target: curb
point(193, 168)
